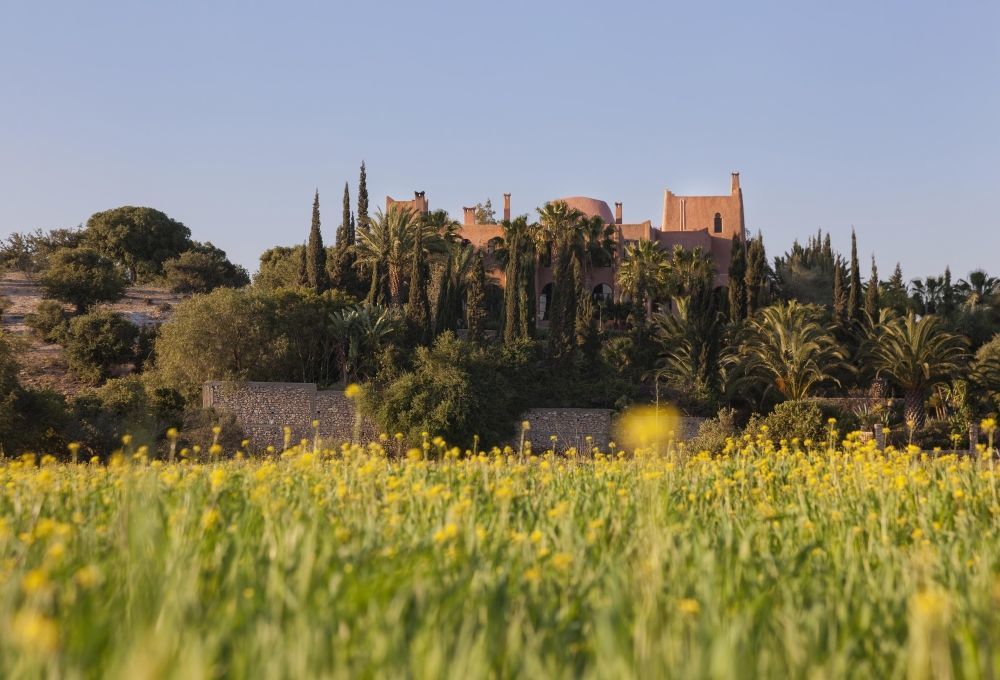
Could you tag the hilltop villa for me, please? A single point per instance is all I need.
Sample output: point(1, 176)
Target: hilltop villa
point(708, 222)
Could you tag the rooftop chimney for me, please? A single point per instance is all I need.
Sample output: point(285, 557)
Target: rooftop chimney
point(470, 215)
point(736, 182)
point(618, 212)
point(506, 207)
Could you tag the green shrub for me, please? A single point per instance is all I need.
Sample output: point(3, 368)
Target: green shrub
point(29, 419)
point(790, 420)
point(97, 342)
point(128, 405)
point(712, 433)
point(250, 334)
point(49, 321)
point(203, 269)
point(456, 390)
point(82, 277)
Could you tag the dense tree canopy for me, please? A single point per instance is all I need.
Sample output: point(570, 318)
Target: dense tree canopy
point(138, 239)
point(201, 269)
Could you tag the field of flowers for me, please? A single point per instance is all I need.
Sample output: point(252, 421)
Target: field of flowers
point(349, 562)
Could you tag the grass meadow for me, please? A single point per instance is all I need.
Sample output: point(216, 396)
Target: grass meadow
point(761, 562)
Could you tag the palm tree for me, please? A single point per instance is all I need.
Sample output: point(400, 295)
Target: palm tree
point(385, 245)
point(597, 246)
point(459, 261)
point(690, 341)
point(439, 233)
point(916, 356)
point(927, 294)
point(642, 274)
point(362, 331)
point(686, 268)
point(787, 350)
point(978, 287)
point(560, 228)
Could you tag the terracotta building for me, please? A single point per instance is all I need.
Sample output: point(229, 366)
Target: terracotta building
point(708, 222)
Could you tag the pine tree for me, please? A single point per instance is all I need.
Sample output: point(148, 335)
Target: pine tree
point(475, 301)
point(737, 281)
point(872, 302)
point(854, 291)
point(316, 274)
point(363, 198)
point(839, 294)
point(947, 307)
point(895, 295)
point(756, 277)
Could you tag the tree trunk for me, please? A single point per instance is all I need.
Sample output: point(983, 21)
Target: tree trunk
point(879, 388)
point(913, 408)
point(395, 285)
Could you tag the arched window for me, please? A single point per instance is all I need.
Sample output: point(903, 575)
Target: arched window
point(718, 223)
point(602, 293)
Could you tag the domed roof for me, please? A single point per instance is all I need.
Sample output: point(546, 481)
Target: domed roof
point(590, 207)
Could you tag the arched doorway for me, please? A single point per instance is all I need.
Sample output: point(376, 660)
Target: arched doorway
point(545, 302)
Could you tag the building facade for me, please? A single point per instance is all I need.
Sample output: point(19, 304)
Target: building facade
point(706, 222)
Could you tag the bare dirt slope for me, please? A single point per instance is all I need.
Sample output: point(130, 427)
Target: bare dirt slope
point(42, 364)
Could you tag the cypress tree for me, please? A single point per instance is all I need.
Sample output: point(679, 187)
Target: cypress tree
point(756, 274)
point(363, 198)
point(839, 294)
point(316, 274)
point(947, 294)
point(344, 231)
point(343, 274)
point(418, 306)
point(738, 281)
point(872, 302)
point(854, 291)
point(303, 277)
point(562, 318)
point(512, 293)
point(519, 290)
point(446, 316)
point(475, 301)
point(526, 318)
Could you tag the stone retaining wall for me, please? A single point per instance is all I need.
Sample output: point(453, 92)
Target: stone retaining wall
point(264, 409)
point(570, 426)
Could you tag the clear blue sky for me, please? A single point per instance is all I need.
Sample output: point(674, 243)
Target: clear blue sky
point(227, 115)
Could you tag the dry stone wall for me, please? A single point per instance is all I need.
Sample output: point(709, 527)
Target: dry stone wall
point(570, 427)
point(264, 409)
